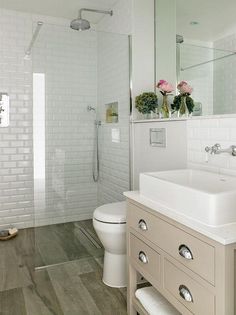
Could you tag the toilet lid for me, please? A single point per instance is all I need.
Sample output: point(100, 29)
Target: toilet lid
point(111, 213)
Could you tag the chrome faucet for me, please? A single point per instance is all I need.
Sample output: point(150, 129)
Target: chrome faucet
point(216, 149)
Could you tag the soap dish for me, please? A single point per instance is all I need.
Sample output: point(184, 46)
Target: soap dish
point(7, 234)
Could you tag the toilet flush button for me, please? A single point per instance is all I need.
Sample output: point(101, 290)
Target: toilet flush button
point(158, 137)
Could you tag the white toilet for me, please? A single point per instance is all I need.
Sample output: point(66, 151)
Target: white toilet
point(109, 222)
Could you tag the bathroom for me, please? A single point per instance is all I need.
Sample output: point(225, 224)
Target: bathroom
point(73, 146)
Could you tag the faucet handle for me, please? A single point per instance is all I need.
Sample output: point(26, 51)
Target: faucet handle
point(233, 147)
point(216, 147)
point(208, 149)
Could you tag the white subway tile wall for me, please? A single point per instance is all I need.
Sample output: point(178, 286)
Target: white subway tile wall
point(113, 86)
point(16, 156)
point(65, 191)
point(207, 132)
point(224, 77)
point(121, 21)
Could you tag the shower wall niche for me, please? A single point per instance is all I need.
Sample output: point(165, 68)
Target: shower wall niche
point(112, 112)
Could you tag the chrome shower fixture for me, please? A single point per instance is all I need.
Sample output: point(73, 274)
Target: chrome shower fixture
point(90, 108)
point(81, 24)
point(179, 39)
point(34, 38)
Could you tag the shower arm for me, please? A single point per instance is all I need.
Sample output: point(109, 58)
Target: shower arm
point(34, 37)
point(93, 10)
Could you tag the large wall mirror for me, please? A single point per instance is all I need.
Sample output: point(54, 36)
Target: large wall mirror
point(206, 51)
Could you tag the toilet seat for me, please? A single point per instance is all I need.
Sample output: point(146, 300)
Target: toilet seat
point(113, 213)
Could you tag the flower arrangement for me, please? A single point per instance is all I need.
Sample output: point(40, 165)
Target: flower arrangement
point(146, 102)
point(184, 88)
point(183, 103)
point(165, 88)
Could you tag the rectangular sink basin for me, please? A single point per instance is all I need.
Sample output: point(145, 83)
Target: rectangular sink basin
point(204, 196)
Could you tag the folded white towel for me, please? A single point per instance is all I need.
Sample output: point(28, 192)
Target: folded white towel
point(154, 303)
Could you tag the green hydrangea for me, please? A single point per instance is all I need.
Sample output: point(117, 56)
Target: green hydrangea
point(146, 102)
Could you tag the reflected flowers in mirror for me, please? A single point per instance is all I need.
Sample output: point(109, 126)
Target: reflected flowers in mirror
point(165, 88)
point(183, 103)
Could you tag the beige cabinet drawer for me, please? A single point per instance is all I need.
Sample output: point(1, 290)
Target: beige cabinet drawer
point(187, 291)
point(146, 258)
point(190, 251)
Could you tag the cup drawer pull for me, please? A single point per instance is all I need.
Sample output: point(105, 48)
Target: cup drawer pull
point(142, 225)
point(143, 257)
point(185, 252)
point(185, 293)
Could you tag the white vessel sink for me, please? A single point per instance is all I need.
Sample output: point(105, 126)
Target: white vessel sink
point(207, 197)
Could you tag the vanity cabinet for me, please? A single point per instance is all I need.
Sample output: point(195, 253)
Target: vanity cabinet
point(194, 273)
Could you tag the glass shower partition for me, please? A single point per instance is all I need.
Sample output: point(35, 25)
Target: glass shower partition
point(73, 72)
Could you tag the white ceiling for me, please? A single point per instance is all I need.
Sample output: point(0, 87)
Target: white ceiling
point(214, 16)
point(59, 8)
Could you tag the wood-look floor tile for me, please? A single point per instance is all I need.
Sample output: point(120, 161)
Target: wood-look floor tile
point(25, 248)
point(12, 302)
point(73, 295)
point(35, 304)
point(12, 274)
point(108, 300)
point(71, 288)
point(63, 246)
point(100, 260)
point(51, 252)
point(41, 296)
point(68, 240)
point(82, 266)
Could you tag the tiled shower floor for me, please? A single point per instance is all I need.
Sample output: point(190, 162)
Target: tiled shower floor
point(68, 278)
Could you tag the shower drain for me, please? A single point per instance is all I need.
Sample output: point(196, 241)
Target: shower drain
point(89, 235)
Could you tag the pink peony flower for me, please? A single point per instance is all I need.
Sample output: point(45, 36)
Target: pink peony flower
point(165, 87)
point(184, 88)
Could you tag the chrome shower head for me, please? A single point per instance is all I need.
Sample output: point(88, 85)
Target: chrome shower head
point(81, 24)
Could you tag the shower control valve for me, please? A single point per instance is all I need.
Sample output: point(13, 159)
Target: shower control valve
point(4, 109)
point(1, 109)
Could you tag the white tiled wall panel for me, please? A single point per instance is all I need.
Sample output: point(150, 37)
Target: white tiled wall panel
point(113, 86)
point(121, 21)
point(225, 77)
point(16, 156)
point(207, 132)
